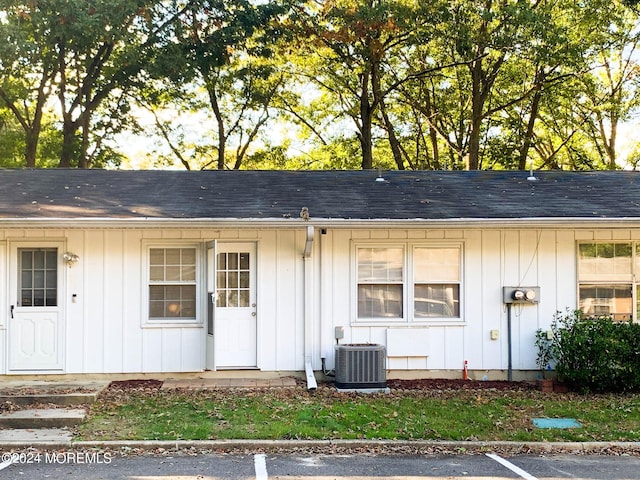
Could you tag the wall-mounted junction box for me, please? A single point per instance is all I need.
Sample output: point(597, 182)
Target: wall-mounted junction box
point(521, 294)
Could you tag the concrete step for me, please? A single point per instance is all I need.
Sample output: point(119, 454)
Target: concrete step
point(49, 437)
point(42, 418)
point(41, 392)
point(62, 399)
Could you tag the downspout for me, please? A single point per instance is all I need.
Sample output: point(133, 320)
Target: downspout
point(510, 360)
point(308, 309)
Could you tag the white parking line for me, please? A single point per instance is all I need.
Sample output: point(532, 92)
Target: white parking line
point(260, 463)
point(7, 463)
point(511, 466)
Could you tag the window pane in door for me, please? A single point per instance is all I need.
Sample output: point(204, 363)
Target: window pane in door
point(38, 272)
point(38, 260)
point(244, 261)
point(51, 259)
point(26, 259)
point(51, 296)
point(51, 279)
point(38, 297)
point(232, 299)
point(232, 261)
point(233, 280)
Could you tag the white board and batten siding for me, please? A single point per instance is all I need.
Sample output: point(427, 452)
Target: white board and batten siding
point(105, 332)
point(103, 294)
point(492, 258)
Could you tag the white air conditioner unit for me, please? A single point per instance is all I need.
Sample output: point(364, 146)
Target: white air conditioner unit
point(361, 366)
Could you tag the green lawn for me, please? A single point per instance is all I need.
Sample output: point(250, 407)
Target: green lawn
point(288, 413)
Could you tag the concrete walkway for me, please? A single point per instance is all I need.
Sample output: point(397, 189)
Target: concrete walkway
point(40, 413)
point(21, 392)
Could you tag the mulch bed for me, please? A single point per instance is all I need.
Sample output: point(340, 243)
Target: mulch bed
point(459, 384)
point(394, 384)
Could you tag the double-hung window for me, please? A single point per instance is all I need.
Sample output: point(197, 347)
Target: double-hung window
point(172, 285)
point(436, 282)
point(408, 282)
point(380, 282)
point(607, 273)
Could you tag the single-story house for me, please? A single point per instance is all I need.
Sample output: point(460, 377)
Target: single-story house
point(109, 272)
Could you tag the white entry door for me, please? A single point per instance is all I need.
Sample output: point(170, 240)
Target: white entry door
point(235, 324)
point(35, 331)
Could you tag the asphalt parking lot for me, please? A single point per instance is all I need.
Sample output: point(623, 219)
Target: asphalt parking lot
point(306, 467)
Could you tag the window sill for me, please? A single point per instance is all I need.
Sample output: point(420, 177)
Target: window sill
point(172, 324)
point(444, 322)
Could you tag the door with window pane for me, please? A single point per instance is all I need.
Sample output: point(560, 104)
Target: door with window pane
point(35, 330)
point(235, 329)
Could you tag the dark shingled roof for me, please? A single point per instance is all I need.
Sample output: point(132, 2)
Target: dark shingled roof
point(408, 195)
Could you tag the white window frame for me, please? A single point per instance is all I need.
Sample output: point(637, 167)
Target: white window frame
point(408, 282)
point(147, 321)
point(607, 279)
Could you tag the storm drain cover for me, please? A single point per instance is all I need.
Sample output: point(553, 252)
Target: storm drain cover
point(556, 423)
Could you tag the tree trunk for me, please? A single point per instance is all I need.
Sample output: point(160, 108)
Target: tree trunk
point(366, 124)
point(610, 146)
point(31, 129)
point(68, 144)
point(222, 139)
point(433, 133)
point(84, 124)
point(32, 137)
point(533, 116)
point(393, 140)
point(473, 155)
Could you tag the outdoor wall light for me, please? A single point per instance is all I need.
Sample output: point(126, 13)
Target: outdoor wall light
point(70, 258)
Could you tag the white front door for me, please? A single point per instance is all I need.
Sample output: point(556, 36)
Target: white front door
point(35, 330)
point(235, 324)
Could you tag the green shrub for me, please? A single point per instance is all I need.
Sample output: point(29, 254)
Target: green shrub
point(593, 354)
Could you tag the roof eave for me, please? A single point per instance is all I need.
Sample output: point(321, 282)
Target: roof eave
point(475, 223)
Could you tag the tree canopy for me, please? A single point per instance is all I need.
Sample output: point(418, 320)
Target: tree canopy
point(317, 84)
